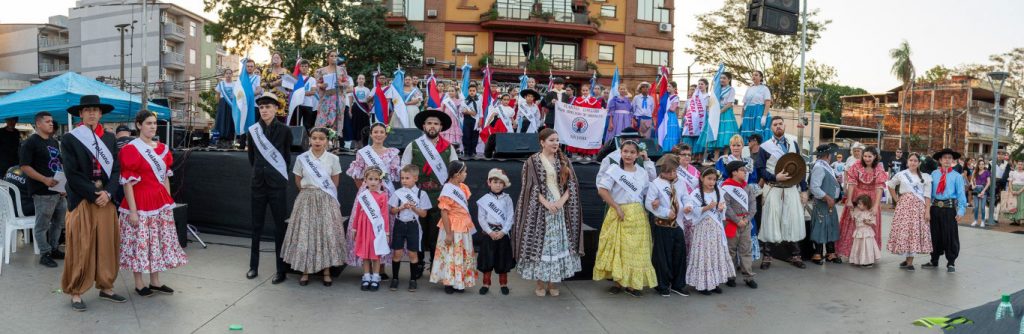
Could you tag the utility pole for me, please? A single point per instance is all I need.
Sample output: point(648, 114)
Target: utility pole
point(145, 69)
point(121, 28)
point(803, 54)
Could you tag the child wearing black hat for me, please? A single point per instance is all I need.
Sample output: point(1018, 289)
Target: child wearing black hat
point(740, 208)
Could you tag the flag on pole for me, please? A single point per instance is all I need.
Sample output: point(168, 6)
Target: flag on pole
point(465, 78)
point(714, 109)
point(298, 91)
point(433, 95)
point(396, 92)
point(551, 80)
point(661, 103)
point(614, 91)
point(593, 83)
point(485, 101)
point(380, 100)
point(245, 101)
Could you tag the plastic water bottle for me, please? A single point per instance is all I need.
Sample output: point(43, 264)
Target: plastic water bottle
point(1005, 309)
point(1021, 331)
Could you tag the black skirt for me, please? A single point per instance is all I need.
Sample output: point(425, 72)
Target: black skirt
point(494, 255)
point(224, 123)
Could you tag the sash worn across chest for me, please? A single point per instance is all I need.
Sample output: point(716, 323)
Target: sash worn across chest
point(373, 159)
point(433, 158)
point(490, 205)
point(738, 194)
point(267, 150)
point(95, 146)
point(455, 193)
point(624, 180)
point(315, 170)
point(156, 161)
point(376, 215)
point(916, 187)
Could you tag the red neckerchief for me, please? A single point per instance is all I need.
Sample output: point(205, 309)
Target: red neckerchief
point(942, 180)
point(441, 145)
point(731, 182)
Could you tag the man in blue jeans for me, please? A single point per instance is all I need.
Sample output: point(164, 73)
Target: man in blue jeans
point(39, 157)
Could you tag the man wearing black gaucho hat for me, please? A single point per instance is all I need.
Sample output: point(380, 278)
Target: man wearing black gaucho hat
point(431, 153)
point(948, 204)
point(824, 188)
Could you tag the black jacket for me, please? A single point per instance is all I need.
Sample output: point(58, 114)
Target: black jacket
point(78, 166)
point(263, 173)
point(549, 103)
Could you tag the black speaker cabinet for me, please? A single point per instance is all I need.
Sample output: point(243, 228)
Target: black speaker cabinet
point(772, 20)
point(792, 6)
point(300, 139)
point(400, 138)
point(515, 145)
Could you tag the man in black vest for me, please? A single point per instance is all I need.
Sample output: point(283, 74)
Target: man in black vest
point(93, 173)
point(470, 134)
point(554, 94)
point(269, 181)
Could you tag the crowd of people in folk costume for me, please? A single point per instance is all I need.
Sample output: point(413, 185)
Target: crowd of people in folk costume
point(670, 224)
point(332, 98)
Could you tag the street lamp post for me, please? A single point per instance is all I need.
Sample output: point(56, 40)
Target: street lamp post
point(815, 94)
point(688, 73)
point(121, 28)
point(881, 120)
point(993, 77)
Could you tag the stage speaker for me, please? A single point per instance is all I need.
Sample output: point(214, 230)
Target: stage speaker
point(300, 139)
point(400, 138)
point(772, 20)
point(513, 145)
point(792, 6)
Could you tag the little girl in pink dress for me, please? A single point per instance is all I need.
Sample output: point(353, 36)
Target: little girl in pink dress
point(864, 251)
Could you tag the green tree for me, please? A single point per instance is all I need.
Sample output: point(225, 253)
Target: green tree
point(830, 106)
point(208, 102)
point(937, 74)
point(722, 37)
point(903, 69)
point(258, 22)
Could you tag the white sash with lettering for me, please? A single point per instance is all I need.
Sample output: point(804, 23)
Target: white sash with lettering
point(410, 195)
point(691, 180)
point(315, 170)
point(916, 187)
point(267, 150)
point(156, 161)
point(738, 194)
point(373, 159)
point(627, 182)
point(376, 216)
point(434, 159)
point(490, 204)
point(455, 193)
point(92, 142)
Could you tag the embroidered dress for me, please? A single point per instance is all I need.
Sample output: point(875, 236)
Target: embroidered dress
point(910, 232)
point(863, 181)
point(315, 238)
point(151, 246)
point(709, 264)
point(547, 246)
point(355, 171)
point(620, 117)
point(330, 103)
point(754, 111)
point(269, 75)
point(363, 227)
point(864, 249)
point(455, 264)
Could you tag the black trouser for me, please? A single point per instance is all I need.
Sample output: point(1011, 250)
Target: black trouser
point(307, 117)
point(470, 138)
point(429, 237)
point(945, 237)
point(830, 247)
point(360, 120)
point(276, 198)
point(790, 248)
point(669, 258)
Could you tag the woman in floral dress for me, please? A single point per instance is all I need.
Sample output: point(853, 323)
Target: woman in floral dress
point(389, 161)
point(910, 233)
point(863, 178)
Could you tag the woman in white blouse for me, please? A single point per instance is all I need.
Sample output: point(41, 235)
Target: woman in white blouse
point(910, 233)
point(1016, 181)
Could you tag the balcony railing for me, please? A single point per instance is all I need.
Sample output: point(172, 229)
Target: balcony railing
point(397, 8)
point(567, 64)
point(47, 68)
point(174, 59)
point(53, 42)
point(174, 30)
point(513, 60)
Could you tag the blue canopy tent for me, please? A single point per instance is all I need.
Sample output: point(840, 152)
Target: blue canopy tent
point(58, 94)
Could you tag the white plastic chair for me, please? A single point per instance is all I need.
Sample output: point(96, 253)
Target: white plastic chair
point(13, 220)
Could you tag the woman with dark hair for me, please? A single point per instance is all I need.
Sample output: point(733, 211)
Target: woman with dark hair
point(385, 158)
point(756, 102)
point(864, 178)
point(455, 263)
point(548, 229)
point(695, 116)
point(149, 241)
point(709, 264)
point(910, 233)
point(330, 104)
point(224, 125)
point(272, 77)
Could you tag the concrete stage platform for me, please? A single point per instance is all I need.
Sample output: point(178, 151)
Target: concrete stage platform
point(214, 294)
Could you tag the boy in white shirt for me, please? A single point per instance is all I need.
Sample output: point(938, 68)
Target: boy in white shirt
point(665, 198)
point(408, 204)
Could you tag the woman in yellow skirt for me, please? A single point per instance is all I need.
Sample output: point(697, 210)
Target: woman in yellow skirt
point(624, 247)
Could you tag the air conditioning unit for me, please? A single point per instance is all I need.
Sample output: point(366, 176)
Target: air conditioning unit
point(431, 61)
point(665, 27)
point(432, 13)
point(166, 49)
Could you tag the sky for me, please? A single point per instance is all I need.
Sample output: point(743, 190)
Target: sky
point(856, 43)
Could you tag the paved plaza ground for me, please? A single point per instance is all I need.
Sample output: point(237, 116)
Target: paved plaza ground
point(213, 294)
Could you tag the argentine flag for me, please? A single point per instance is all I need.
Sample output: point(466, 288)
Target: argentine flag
point(244, 103)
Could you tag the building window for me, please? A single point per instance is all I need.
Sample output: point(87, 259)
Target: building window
point(465, 44)
point(192, 56)
point(209, 39)
point(562, 56)
point(652, 10)
point(509, 53)
point(562, 9)
point(191, 83)
point(606, 53)
point(418, 45)
point(651, 57)
point(192, 29)
point(607, 11)
point(209, 61)
point(514, 9)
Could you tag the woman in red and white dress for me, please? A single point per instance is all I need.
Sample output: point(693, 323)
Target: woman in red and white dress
point(149, 241)
point(586, 101)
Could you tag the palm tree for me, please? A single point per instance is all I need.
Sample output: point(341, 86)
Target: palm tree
point(903, 69)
